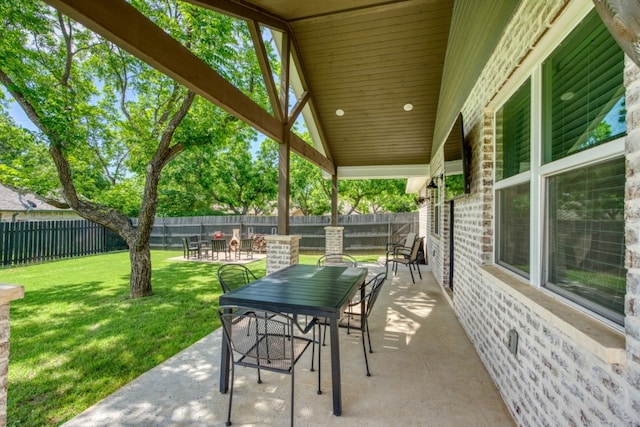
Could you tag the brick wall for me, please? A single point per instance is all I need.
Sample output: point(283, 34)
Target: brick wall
point(555, 378)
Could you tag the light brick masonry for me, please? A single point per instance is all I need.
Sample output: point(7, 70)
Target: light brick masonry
point(282, 251)
point(8, 293)
point(334, 243)
point(568, 370)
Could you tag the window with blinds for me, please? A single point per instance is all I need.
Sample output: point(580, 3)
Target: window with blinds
point(576, 101)
point(583, 91)
point(513, 134)
point(514, 208)
point(586, 237)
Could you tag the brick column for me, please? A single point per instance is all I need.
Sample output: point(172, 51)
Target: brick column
point(7, 294)
point(334, 240)
point(282, 251)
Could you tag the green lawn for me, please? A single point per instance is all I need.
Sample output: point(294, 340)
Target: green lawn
point(76, 337)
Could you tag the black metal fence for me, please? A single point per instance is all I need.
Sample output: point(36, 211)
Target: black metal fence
point(361, 232)
point(37, 241)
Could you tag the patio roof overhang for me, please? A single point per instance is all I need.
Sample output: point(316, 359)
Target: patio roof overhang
point(368, 58)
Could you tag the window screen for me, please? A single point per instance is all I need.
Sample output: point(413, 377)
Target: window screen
point(513, 228)
point(586, 237)
point(513, 134)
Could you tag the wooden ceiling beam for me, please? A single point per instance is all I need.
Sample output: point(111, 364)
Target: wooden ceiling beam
point(244, 11)
point(265, 67)
point(122, 24)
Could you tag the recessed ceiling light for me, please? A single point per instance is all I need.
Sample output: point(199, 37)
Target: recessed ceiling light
point(339, 112)
point(408, 107)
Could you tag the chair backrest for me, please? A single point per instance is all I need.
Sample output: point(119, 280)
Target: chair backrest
point(188, 245)
point(376, 285)
point(234, 276)
point(246, 244)
point(409, 239)
point(218, 245)
point(338, 260)
point(258, 339)
point(415, 249)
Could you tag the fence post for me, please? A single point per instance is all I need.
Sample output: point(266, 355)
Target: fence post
point(164, 234)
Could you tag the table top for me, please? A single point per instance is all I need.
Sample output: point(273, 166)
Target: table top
point(301, 289)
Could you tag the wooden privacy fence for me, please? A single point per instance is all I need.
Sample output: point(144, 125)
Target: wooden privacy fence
point(36, 241)
point(361, 232)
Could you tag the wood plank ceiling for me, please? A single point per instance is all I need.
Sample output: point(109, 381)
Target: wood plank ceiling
point(369, 59)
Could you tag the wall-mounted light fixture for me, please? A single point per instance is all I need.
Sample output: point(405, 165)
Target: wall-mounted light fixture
point(433, 185)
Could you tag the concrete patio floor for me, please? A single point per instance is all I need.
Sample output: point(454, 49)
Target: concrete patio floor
point(425, 372)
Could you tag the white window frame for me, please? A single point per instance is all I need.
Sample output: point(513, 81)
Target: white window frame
point(538, 173)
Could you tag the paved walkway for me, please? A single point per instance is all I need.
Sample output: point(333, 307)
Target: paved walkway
point(424, 373)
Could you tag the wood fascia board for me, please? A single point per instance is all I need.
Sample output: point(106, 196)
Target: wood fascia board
point(265, 67)
point(122, 24)
point(243, 11)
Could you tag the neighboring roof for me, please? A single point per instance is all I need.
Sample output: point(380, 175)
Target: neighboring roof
point(13, 201)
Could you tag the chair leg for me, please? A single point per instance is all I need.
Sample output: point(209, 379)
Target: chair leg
point(292, 394)
point(324, 337)
point(230, 395)
point(313, 347)
point(319, 361)
point(418, 267)
point(368, 336)
point(364, 350)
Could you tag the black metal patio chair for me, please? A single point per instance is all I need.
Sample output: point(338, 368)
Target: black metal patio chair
point(263, 341)
point(356, 318)
point(233, 276)
point(338, 259)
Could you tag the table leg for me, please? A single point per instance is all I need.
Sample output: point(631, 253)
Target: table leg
point(335, 367)
point(225, 359)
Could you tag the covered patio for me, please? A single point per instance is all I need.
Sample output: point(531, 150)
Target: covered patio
point(415, 334)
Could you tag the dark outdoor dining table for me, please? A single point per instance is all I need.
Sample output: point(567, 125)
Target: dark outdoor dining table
point(319, 291)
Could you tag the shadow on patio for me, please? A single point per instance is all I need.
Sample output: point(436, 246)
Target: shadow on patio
point(425, 372)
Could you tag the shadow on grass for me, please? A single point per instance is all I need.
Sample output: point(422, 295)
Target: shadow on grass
point(74, 342)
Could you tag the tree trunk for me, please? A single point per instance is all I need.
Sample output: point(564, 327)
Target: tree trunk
point(140, 281)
